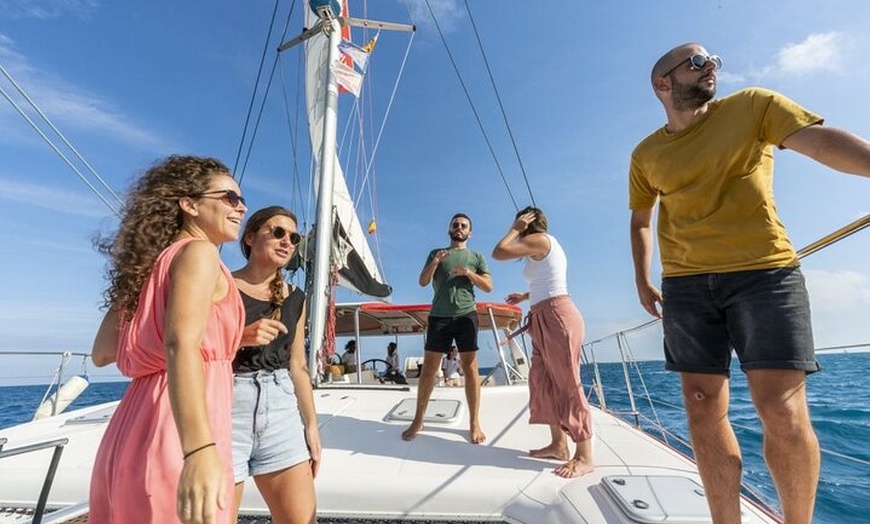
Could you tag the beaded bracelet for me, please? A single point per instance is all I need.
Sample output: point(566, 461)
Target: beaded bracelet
point(197, 450)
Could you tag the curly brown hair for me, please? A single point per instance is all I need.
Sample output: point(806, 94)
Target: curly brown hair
point(276, 287)
point(150, 221)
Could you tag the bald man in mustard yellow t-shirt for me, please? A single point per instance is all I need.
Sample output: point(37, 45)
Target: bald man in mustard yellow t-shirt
point(731, 278)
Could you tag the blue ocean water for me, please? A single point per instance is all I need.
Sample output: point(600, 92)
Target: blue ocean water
point(839, 405)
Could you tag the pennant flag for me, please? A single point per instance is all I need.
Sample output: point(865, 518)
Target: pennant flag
point(359, 56)
point(347, 77)
point(372, 227)
point(369, 47)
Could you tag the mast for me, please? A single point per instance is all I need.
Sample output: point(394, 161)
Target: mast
point(329, 22)
point(323, 227)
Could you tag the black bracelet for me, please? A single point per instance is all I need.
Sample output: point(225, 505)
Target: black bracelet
point(197, 450)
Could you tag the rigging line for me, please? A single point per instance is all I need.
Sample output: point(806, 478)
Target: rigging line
point(59, 153)
point(757, 432)
point(61, 135)
point(500, 105)
point(259, 119)
point(294, 138)
point(390, 106)
point(646, 392)
point(473, 108)
point(257, 82)
point(265, 98)
point(626, 331)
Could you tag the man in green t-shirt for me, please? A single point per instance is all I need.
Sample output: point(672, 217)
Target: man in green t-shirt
point(454, 273)
point(730, 275)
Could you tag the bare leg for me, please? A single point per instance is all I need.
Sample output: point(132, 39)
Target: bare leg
point(716, 450)
point(791, 448)
point(289, 494)
point(238, 491)
point(580, 464)
point(468, 359)
point(431, 364)
point(558, 447)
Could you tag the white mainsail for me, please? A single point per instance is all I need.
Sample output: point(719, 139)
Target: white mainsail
point(358, 270)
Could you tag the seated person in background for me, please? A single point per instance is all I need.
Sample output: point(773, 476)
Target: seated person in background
point(392, 358)
point(394, 373)
point(452, 368)
point(349, 357)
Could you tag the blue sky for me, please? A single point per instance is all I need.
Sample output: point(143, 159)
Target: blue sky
point(129, 82)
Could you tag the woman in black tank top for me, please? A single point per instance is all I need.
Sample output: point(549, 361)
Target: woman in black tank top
point(275, 436)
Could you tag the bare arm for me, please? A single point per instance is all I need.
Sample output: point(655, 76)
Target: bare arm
point(195, 282)
point(105, 348)
point(430, 268)
point(516, 298)
point(512, 245)
point(481, 280)
point(835, 148)
point(304, 393)
point(641, 252)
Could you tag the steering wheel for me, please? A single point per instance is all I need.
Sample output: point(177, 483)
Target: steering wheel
point(375, 365)
point(389, 373)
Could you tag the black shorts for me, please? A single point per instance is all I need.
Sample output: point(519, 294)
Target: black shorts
point(443, 331)
point(764, 315)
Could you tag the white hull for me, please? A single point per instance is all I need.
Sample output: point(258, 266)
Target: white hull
point(368, 471)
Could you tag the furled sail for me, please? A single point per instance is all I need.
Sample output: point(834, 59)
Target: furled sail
point(358, 269)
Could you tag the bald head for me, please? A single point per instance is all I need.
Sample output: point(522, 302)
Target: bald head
point(672, 59)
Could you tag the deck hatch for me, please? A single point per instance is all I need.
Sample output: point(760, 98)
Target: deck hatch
point(439, 411)
point(652, 499)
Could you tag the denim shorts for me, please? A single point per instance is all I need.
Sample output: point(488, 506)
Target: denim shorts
point(764, 315)
point(268, 434)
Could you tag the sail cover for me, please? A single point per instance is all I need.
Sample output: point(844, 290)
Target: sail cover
point(358, 270)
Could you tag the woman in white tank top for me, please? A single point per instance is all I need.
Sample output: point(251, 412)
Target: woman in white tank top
point(556, 327)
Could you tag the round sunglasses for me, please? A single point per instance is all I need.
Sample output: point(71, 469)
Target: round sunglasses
point(698, 62)
point(279, 233)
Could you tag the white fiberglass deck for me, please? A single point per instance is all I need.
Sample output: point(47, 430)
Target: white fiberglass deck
point(368, 471)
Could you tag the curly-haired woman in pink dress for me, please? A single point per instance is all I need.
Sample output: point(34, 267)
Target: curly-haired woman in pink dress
point(174, 322)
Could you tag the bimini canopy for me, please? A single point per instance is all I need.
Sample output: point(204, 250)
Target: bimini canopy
point(376, 318)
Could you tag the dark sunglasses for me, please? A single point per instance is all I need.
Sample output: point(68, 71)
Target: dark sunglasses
point(698, 62)
point(458, 225)
point(279, 233)
point(227, 196)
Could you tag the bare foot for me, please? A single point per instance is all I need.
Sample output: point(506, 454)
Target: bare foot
point(476, 435)
point(553, 451)
point(412, 431)
point(574, 468)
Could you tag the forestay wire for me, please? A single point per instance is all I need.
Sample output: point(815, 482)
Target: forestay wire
point(473, 107)
point(115, 210)
point(500, 105)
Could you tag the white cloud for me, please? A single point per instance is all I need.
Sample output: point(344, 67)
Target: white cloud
point(447, 12)
point(726, 77)
point(819, 52)
point(54, 199)
point(840, 301)
point(67, 105)
point(46, 9)
point(838, 291)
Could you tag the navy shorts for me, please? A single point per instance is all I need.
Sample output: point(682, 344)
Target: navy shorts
point(764, 315)
point(443, 331)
